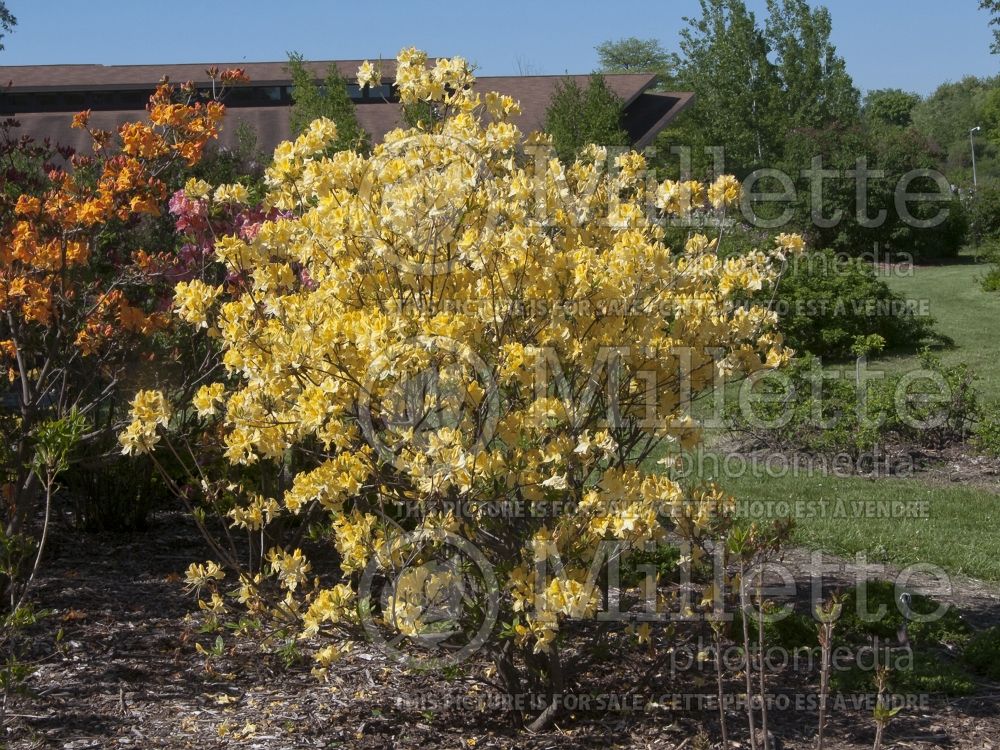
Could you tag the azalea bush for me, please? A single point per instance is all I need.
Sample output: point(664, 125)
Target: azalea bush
point(76, 300)
point(447, 362)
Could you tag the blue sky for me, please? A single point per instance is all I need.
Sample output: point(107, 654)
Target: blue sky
point(911, 44)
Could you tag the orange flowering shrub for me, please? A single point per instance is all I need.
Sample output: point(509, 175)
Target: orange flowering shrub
point(74, 301)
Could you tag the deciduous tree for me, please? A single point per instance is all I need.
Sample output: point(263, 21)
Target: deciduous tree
point(634, 55)
point(815, 87)
point(724, 60)
point(890, 107)
point(7, 21)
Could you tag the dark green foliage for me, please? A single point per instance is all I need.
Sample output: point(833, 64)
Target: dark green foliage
point(990, 250)
point(925, 668)
point(831, 214)
point(815, 87)
point(825, 302)
point(991, 281)
point(795, 631)
point(663, 559)
point(859, 624)
point(984, 214)
point(890, 107)
point(945, 118)
point(797, 409)
point(724, 60)
point(244, 163)
point(115, 496)
point(577, 117)
point(417, 113)
point(330, 99)
point(982, 653)
point(756, 83)
point(925, 673)
point(986, 431)
point(991, 116)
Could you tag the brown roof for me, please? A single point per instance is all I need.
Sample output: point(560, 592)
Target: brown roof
point(645, 113)
point(88, 77)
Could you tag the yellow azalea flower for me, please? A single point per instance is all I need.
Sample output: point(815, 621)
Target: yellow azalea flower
point(234, 193)
point(196, 189)
point(644, 632)
point(207, 397)
point(792, 243)
point(369, 75)
point(193, 301)
point(724, 192)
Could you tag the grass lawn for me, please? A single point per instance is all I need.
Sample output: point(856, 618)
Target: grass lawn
point(963, 311)
point(961, 530)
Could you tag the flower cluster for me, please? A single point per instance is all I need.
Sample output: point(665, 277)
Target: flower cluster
point(49, 259)
point(150, 410)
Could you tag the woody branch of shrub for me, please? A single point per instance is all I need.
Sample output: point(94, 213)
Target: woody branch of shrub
point(75, 303)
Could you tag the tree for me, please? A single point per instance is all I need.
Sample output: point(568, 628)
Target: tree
point(7, 21)
point(634, 55)
point(815, 86)
point(892, 153)
point(890, 107)
point(946, 116)
point(421, 341)
point(993, 6)
point(991, 115)
point(329, 100)
point(754, 85)
point(577, 116)
point(725, 62)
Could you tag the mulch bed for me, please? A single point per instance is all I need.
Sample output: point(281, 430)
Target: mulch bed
point(125, 674)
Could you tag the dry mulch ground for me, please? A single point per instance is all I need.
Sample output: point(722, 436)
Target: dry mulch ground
point(126, 675)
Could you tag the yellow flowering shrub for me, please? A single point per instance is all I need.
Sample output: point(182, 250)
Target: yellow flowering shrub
point(457, 342)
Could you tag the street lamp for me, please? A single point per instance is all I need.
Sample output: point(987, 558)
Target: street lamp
point(972, 147)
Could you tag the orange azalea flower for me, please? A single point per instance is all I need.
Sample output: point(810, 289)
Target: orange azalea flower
point(92, 212)
point(190, 152)
point(28, 206)
point(131, 318)
point(87, 342)
point(109, 300)
point(38, 306)
point(144, 205)
point(156, 322)
point(81, 119)
point(168, 114)
point(77, 252)
point(235, 75)
point(18, 287)
point(139, 139)
point(46, 256)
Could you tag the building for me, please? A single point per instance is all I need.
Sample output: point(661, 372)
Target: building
point(43, 98)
